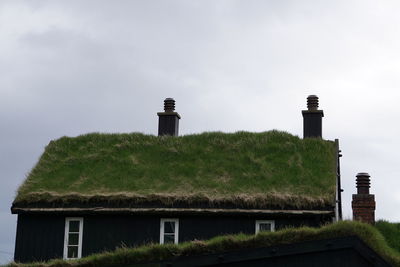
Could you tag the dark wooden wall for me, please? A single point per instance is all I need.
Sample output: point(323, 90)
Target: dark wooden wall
point(41, 237)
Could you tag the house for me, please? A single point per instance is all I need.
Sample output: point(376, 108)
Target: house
point(96, 192)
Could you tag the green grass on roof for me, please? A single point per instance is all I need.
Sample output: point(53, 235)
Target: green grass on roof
point(213, 164)
point(391, 232)
point(155, 252)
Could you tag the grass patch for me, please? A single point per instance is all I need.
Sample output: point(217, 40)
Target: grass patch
point(215, 165)
point(391, 232)
point(154, 252)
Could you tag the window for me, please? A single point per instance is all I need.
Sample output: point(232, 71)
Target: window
point(169, 229)
point(73, 238)
point(265, 226)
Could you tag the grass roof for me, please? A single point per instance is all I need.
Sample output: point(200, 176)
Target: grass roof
point(155, 252)
point(213, 165)
point(391, 232)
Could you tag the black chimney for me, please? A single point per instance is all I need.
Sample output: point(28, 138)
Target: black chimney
point(312, 118)
point(168, 121)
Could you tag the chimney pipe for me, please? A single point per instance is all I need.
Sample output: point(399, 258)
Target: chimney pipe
point(363, 203)
point(168, 121)
point(312, 118)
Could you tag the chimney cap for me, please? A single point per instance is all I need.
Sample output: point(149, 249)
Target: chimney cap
point(363, 174)
point(363, 183)
point(169, 105)
point(312, 102)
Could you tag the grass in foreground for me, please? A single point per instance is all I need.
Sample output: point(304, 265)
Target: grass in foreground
point(209, 164)
point(391, 232)
point(369, 234)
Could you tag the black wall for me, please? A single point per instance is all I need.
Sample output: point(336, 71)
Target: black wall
point(41, 237)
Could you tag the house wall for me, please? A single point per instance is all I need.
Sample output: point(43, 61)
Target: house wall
point(41, 237)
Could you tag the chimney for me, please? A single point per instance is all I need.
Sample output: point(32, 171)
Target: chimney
point(312, 118)
point(363, 203)
point(168, 121)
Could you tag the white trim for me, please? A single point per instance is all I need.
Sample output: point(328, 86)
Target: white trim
point(176, 230)
point(172, 210)
point(80, 234)
point(258, 222)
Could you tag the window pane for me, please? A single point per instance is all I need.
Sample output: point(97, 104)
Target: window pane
point(265, 227)
point(169, 227)
point(74, 226)
point(72, 252)
point(169, 239)
point(73, 239)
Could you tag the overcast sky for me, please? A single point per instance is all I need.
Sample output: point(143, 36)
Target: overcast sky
point(73, 67)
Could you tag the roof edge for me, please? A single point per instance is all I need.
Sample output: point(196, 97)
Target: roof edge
point(194, 201)
point(205, 211)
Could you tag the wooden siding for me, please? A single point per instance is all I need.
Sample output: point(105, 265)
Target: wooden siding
point(41, 237)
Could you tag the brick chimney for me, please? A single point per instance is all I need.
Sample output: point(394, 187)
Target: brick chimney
point(312, 118)
point(168, 121)
point(363, 203)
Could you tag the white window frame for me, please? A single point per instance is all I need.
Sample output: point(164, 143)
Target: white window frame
point(176, 233)
point(66, 236)
point(258, 222)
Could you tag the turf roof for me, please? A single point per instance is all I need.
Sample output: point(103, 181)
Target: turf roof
point(215, 166)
